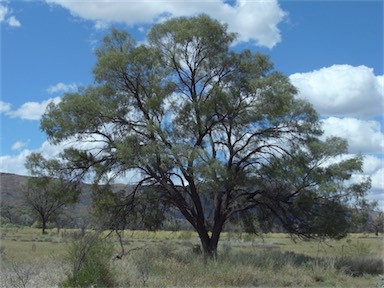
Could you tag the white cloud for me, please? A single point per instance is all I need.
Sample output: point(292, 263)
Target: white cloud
point(374, 167)
point(62, 88)
point(32, 110)
point(19, 145)
point(364, 136)
point(378, 180)
point(101, 25)
point(7, 18)
point(4, 107)
point(15, 164)
point(342, 90)
point(13, 22)
point(3, 12)
point(350, 97)
point(372, 164)
point(254, 21)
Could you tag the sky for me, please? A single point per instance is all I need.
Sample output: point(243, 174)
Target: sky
point(332, 51)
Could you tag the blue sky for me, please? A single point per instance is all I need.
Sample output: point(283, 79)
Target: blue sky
point(331, 50)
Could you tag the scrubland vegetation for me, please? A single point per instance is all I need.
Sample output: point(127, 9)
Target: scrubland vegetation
point(163, 259)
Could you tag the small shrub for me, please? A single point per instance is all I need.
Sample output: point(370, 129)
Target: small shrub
point(355, 249)
point(143, 261)
point(165, 250)
point(89, 258)
point(21, 273)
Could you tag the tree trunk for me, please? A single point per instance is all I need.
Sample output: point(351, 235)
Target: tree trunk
point(44, 226)
point(209, 248)
point(210, 243)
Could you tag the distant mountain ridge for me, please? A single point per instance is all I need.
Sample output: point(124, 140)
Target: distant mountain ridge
point(11, 186)
point(14, 210)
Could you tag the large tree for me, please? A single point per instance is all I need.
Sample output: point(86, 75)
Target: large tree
point(48, 190)
point(219, 131)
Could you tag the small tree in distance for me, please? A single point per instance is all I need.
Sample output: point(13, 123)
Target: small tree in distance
point(217, 132)
point(47, 191)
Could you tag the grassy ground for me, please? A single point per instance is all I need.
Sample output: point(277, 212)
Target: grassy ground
point(164, 259)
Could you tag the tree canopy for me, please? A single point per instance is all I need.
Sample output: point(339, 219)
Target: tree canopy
point(218, 131)
point(48, 190)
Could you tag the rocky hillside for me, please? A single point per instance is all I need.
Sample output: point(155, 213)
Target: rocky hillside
point(10, 188)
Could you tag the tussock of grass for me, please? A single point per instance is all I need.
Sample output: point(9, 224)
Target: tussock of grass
point(361, 265)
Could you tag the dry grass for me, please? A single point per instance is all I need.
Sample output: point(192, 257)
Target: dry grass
point(161, 266)
point(42, 272)
point(165, 259)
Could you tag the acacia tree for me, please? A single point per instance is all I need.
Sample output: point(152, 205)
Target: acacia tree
point(378, 222)
point(48, 190)
point(219, 131)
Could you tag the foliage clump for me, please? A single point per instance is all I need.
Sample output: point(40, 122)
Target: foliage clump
point(89, 257)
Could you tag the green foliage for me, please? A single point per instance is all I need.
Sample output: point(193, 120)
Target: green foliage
point(378, 223)
point(151, 210)
point(89, 258)
point(217, 131)
point(119, 210)
point(313, 190)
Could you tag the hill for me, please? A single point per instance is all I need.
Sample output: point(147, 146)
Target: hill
point(10, 187)
point(13, 209)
